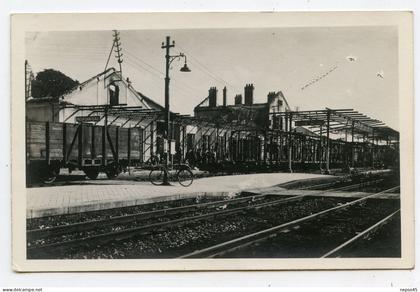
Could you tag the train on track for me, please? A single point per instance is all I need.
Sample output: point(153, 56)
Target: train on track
point(112, 149)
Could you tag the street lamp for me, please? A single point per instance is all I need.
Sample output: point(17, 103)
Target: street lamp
point(185, 67)
point(169, 60)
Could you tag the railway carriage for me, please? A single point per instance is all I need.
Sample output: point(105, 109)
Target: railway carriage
point(91, 148)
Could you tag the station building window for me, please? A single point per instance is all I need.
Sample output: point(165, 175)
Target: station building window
point(114, 94)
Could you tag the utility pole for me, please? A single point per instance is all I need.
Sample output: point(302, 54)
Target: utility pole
point(117, 45)
point(168, 60)
point(167, 47)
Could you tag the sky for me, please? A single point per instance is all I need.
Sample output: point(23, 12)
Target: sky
point(273, 59)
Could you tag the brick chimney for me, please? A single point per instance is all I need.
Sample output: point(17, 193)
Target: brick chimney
point(212, 97)
point(249, 94)
point(238, 99)
point(224, 96)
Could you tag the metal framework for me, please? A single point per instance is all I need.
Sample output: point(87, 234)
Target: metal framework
point(326, 121)
point(320, 122)
point(341, 120)
point(136, 113)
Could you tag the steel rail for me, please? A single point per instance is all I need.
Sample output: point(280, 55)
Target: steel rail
point(141, 230)
point(365, 232)
point(321, 185)
point(249, 239)
point(364, 183)
point(89, 225)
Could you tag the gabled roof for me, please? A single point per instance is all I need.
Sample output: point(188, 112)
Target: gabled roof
point(203, 103)
point(149, 100)
point(284, 99)
point(109, 72)
point(84, 83)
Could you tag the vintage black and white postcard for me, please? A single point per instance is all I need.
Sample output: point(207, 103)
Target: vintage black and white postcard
point(212, 141)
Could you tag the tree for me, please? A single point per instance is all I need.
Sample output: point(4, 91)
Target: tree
point(51, 83)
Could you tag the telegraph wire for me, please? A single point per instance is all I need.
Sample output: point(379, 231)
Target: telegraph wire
point(137, 66)
point(207, 70)
point(137, 61)
point(109, 56)
point(144, 62)
point(161, 74)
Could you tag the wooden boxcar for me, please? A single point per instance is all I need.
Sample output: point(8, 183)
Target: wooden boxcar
point(93, 149)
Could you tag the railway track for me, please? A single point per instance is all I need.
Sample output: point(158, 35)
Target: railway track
point(345, 180)
point(335, 252)
point(62, 238)
point(106, 237)
point(34, 234)
point(221, 249)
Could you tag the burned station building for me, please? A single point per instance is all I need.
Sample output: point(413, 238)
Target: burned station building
point(244, 111)
point(239, 125)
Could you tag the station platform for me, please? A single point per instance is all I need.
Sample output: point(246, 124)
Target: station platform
point(92, 195)
point(104, 194)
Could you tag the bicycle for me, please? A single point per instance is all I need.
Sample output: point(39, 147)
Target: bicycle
point(183, 175)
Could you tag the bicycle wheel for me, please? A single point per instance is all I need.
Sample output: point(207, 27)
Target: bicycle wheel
point(185, 177)
point(156, 176)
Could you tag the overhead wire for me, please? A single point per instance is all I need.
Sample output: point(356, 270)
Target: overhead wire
point(144, 62)
point(195, 90)
point(151, 83)
point(96, 51)
point(140, 63)
point(207, 70)
point(139, 66)
point(155, 84)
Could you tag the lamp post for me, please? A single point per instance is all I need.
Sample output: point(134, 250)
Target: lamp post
point(169, 59)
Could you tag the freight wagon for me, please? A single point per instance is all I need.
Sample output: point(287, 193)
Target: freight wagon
point(111, 149)
point(283, 151)
point(93, 149)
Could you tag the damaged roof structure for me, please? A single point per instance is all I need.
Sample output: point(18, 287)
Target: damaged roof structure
point(245, 112)
point(130, 107)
